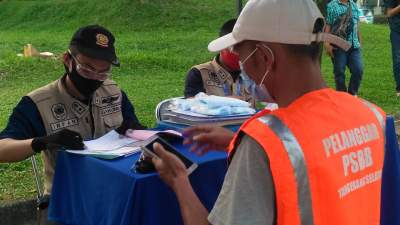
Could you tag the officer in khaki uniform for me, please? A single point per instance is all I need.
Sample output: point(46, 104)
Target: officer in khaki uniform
point(221, 76)
point(81, 105)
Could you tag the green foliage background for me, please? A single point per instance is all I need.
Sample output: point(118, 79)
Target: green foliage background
point(157, 42)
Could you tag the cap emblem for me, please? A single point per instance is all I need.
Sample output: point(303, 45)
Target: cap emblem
point(102, 40)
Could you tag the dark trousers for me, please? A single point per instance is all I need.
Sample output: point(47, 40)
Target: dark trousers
point(395, 39)
point(351, 59)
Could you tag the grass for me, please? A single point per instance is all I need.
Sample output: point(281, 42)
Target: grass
point(157, 42)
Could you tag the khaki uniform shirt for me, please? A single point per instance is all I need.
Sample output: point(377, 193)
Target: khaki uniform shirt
point(59, 110)
point(218, 81)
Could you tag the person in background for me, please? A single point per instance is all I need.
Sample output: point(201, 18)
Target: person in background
point(347, 28)
point(81, 105)
point(316, 160)
point(221, 76)
point(393, 13)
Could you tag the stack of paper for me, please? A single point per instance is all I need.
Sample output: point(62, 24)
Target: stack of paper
point(109, 146)
point(113, 145)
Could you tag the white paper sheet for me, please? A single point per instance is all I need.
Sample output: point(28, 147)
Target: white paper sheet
point(110, 141)
point(109, 146)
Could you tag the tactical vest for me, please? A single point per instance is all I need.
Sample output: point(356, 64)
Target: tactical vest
point(59, 110)
point(218, 81)
point(326, 154)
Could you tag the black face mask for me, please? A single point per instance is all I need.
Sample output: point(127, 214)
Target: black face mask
point(85, 86)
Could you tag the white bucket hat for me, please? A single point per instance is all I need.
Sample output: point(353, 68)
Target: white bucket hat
point(277, 21)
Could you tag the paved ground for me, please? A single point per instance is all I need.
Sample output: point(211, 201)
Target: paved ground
point(18, 213)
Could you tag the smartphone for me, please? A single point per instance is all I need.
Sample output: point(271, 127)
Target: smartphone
point(148, 148)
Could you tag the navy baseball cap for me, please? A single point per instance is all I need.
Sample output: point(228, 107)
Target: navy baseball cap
point(96, 42)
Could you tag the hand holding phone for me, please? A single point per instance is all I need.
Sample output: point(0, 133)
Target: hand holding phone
point(149, 149)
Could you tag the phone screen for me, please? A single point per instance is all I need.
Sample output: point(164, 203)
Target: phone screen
point(190, 165)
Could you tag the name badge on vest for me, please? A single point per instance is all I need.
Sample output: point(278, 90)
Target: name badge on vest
point(110, 109)
point(64, 124)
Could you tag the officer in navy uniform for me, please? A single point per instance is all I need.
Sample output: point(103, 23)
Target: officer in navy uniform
point(81, 105)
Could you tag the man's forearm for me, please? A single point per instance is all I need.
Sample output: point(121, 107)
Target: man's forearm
point(193, 211)
point(393, 11)
point(15, 150)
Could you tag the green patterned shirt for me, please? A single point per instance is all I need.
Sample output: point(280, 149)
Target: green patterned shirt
point(335, 9)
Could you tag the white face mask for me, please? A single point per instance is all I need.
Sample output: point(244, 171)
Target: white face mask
point(259, 91)
point(247, 82)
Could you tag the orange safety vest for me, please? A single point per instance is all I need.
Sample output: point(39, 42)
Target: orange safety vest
point(326, 154)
